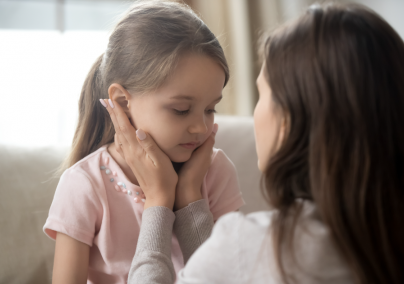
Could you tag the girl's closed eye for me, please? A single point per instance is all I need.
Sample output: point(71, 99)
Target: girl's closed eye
point(181, 112)
point(184, 112)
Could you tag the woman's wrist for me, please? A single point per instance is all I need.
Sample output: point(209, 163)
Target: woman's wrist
point(185, 195)
point(164, 202)
point(160, 197)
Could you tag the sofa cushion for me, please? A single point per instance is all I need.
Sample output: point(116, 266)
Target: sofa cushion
point(236, 138)
point(26, 192)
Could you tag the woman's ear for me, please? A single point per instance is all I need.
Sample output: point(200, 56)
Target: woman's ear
point(283, 129)
point(120, 95)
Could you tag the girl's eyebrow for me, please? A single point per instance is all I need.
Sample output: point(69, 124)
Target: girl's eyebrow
point(182, 97)
point(190, 98)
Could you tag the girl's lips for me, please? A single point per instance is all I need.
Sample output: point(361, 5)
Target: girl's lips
point(191, 145)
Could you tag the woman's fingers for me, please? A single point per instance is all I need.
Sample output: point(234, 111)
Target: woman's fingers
point(118, 146)
point(193, 171)
point(114, 120)
point(152, 168)
point(150, 147)
point(125, 127)
point(120, 124)
point(126, 134)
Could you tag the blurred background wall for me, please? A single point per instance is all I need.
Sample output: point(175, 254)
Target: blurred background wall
point(48, 46)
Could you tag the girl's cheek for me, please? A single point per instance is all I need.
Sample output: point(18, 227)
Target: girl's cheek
point(208, 133)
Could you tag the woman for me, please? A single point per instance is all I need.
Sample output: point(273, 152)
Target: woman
point(330, 143)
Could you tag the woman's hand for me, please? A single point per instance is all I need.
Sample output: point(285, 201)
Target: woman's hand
point(151, 166)
point(192, 173)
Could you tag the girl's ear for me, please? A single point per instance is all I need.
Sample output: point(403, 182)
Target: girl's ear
point(120, 95)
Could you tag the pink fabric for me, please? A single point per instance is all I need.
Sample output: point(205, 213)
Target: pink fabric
point(87, 207)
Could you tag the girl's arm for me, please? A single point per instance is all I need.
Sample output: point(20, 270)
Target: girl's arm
point(71, 260)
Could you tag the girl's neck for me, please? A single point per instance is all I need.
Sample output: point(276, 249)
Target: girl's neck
point(122, 163)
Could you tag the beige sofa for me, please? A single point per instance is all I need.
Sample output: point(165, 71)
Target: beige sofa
point(26, 192)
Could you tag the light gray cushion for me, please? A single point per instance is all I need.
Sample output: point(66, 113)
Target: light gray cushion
point(26, 192)
point(236, 138)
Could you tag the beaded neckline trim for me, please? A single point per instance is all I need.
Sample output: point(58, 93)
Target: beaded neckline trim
point(120, 186)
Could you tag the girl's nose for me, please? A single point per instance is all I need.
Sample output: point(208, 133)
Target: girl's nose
point(198, 126)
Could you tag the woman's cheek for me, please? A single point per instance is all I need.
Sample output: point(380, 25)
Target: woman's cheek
point(259, 131)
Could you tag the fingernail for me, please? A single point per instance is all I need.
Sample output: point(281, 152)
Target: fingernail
point(103, 103)
point(110, 103)
point(140, 134)
point(215, 128)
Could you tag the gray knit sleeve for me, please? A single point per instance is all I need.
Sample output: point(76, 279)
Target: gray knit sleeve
point(152, 261)
point(192, 226)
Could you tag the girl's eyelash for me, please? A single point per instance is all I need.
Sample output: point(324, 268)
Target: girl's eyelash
point(184, 112)
point(181, 112)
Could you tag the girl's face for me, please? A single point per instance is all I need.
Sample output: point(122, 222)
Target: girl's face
point(179, 115)
point(269, 131)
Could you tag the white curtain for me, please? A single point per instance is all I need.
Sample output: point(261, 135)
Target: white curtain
point(41, 74)
point(238, 24)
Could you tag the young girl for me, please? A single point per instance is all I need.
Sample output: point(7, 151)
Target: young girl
point(166, 70)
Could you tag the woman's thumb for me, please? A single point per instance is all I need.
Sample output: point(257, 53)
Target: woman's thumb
point(211, 140)
point(215, 128)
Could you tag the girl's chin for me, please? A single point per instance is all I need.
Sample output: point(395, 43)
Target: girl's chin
point(180, 158)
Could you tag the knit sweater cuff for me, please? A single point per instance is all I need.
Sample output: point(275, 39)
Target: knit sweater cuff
point(156, 230)
point(192, 226)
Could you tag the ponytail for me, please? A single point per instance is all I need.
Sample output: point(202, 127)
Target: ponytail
point(94, 127)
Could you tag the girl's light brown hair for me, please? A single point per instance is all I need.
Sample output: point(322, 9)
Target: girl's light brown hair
point(142, 52)
point(338, 74)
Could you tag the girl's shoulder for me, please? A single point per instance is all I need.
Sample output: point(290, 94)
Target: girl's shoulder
point(95, 158)
point(221, 186)
point(77, 206)
point(221, 162)
point(86, 171)
point(219, 155)
point(90, 166)
point(86, 177)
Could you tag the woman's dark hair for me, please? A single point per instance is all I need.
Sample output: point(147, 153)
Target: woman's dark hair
point(337, 74)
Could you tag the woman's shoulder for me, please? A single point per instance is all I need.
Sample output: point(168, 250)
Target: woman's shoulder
point(242, 230)
point(231, 251)
point(245, 241)
point(234, 221)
